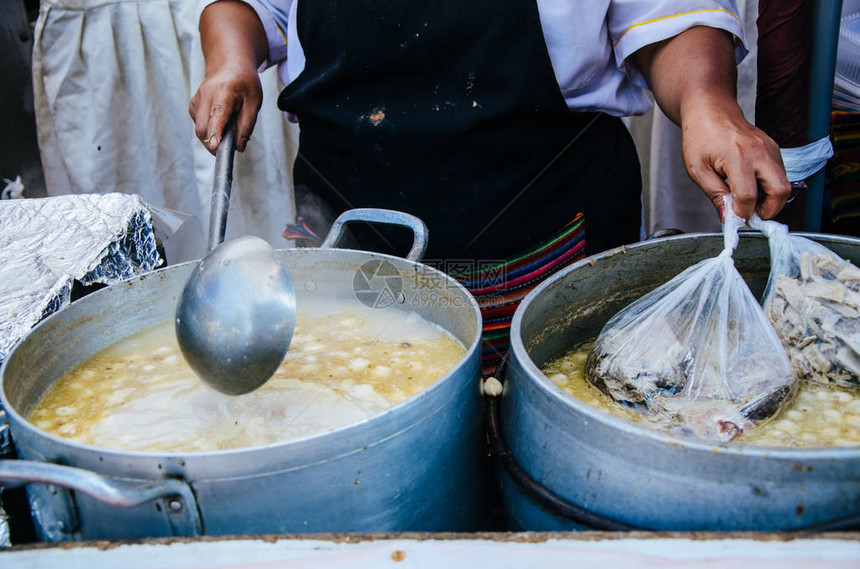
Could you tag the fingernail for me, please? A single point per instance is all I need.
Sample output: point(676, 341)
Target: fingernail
point(243, 142)
point(722, 212)
point(213, 141)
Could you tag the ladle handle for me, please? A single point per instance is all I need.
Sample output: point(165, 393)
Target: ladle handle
point(221, 185)
point(385, 216)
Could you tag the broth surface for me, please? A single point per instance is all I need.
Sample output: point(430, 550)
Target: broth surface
point(818, 415)
point(346, 363)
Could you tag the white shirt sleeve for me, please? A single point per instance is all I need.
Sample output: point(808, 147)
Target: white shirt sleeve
point(634, 24)
point(589, 43)
point(274, 15)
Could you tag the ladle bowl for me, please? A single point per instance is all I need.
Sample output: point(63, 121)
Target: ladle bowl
point(236, 315)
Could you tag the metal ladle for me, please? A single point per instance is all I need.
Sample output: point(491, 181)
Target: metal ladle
point(236, 315)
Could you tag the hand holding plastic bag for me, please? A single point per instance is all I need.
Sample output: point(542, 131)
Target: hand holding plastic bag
point(697, 353)
point(813, 301)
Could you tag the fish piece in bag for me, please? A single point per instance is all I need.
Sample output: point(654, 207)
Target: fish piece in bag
point(813, 301)
point(697, 353)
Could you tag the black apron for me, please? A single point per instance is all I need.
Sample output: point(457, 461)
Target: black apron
point(451, 111)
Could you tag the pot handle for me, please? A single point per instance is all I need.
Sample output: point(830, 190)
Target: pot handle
point(181, 506)
point(385, 216)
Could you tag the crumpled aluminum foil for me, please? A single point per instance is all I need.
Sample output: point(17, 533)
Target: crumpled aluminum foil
point(47, 244)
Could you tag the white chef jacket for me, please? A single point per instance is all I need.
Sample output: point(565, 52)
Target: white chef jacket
point(589, 42)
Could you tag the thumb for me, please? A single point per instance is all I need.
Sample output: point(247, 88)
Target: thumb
point(219, 113)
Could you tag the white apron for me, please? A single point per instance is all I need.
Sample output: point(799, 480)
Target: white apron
point(112, 80)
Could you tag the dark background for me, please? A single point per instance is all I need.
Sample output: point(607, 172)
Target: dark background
point(19, 151)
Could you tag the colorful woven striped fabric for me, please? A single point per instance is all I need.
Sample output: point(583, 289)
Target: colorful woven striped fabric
point(500, 287)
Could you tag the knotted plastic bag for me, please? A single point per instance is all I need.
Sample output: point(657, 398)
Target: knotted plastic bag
point(697, 354)
point(813, 301)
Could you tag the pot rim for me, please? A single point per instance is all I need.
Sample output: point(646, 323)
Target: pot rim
point(561, 398)
point(470, 359)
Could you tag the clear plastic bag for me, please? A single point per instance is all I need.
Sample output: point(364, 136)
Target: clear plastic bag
point(813, 301)
point(696, 355)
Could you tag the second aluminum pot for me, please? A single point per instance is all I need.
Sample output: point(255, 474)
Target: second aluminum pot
point(623, 475)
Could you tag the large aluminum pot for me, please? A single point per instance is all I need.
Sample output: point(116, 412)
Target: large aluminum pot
point(623, 474)
point(416, 466)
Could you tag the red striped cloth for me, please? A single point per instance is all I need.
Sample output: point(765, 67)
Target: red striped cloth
point(500, 288)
